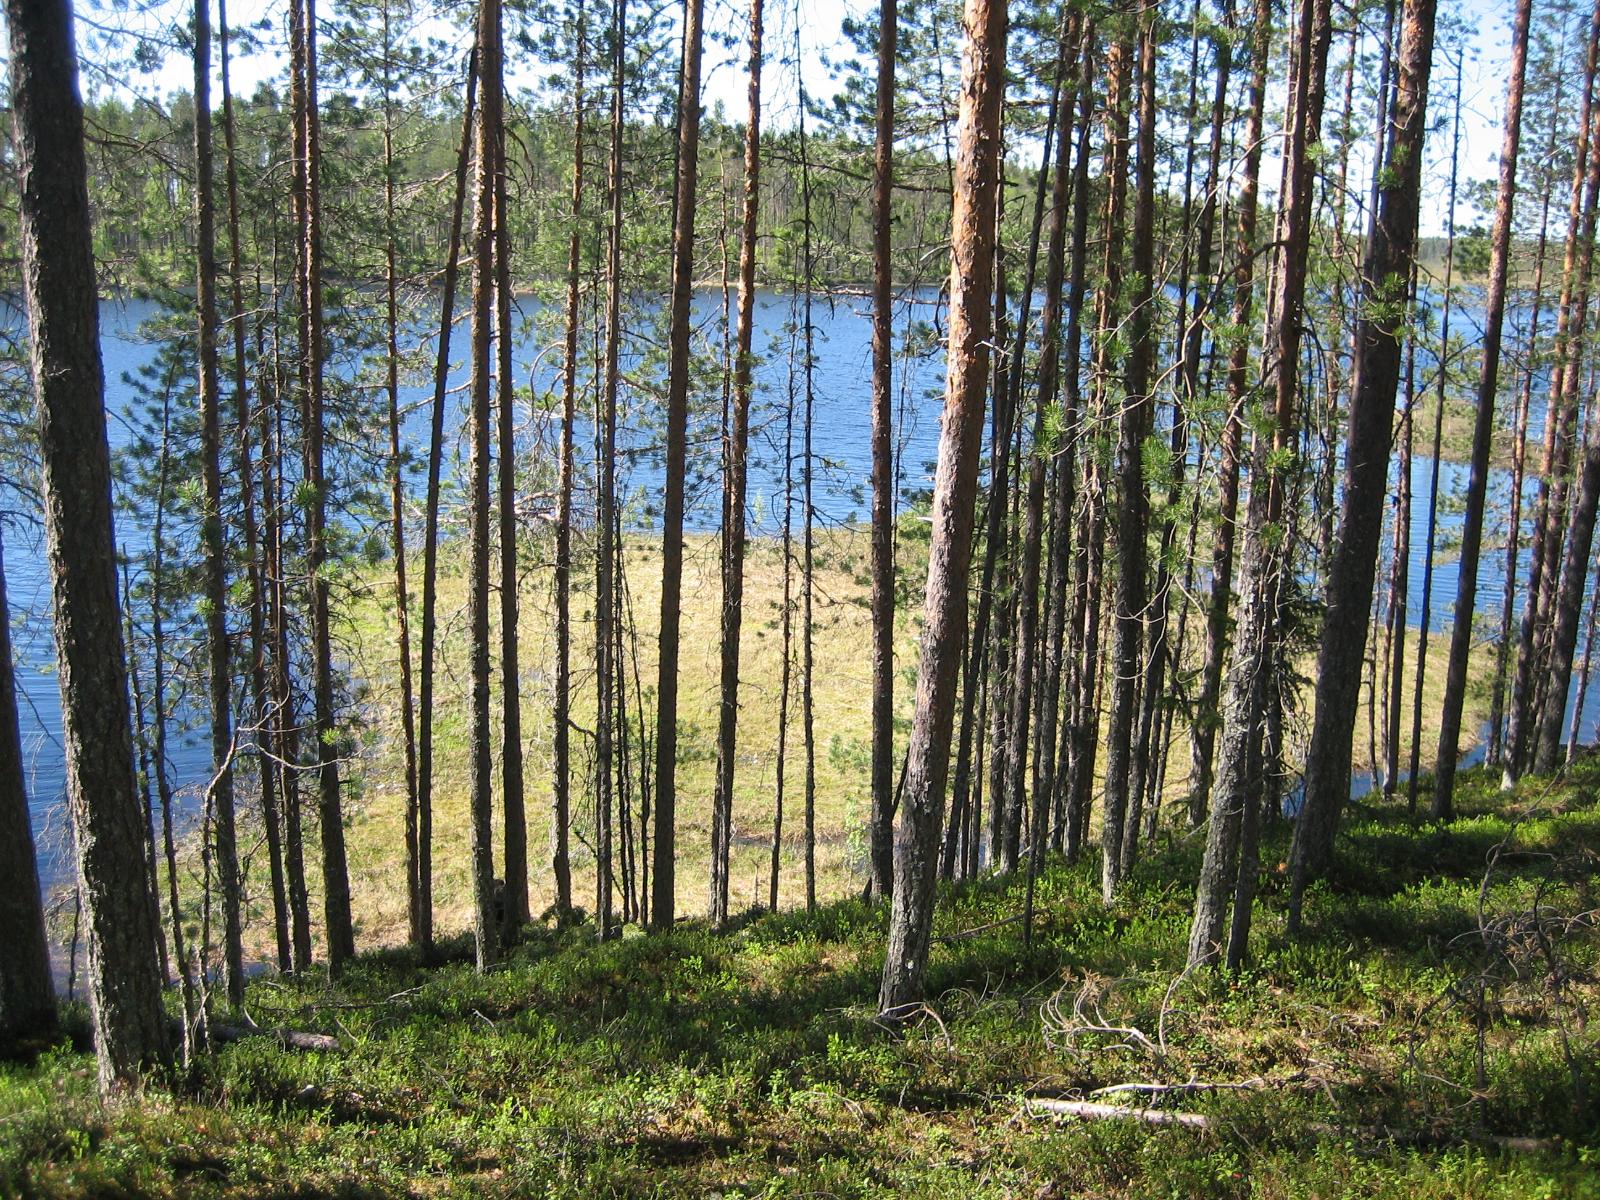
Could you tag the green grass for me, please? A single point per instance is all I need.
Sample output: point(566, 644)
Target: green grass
point(1396, 1043)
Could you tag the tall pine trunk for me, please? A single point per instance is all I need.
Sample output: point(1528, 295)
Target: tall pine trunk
point(1220, 601)
point(420, 867)
point(126, 1014)
point(220, 678)
point(561, 739)
point(486, 931)
point(1384, 275)
point(339, 930)
point(954, 493)
point(664, 897)
point(734, 530)
point(883, 498)
point(27, 1003)
point(512, 802)
point(1266, 547)
point(267, 766)
point(1133, 498)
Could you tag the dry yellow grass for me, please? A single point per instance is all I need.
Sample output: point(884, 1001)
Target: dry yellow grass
point(842, 680)
point(376, 809)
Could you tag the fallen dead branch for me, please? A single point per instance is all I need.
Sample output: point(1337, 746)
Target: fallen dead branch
point(1089, 1110)
point(975, 931)
point(289, 1039)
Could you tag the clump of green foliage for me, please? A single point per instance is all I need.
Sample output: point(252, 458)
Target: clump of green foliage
point(1433, 1012)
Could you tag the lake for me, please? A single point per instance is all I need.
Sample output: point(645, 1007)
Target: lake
point(842, 449)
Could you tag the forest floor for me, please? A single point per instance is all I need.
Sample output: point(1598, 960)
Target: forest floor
point(1440, 1004)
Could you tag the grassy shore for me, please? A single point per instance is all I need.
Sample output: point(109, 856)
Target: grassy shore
point(375, 811)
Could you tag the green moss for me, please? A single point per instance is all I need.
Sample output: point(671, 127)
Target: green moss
point(749, 1063)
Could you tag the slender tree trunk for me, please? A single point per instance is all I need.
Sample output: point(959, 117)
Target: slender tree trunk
point(286, 727)
point(397, 531)
point(1056, 742)
point(1049, 388)
point(1441, 377)
point(808, 565)
point(268, 769)
point(1133, 499)
point(1047, 385)
point(1484, 428)
point(421, 865)
point(1497, 692)
point(606, 516)
point(955, 488)
point(1400, 581)
point(126, 1015)
point(335, 876)
point(27, 1002)
point(512, 801)
point(1377, 370)
point(158, 747)
point(663, 902)
point(1455, 687)
point(561, 781)
point(1580, 701)
point(486, 932)
point(1560, 409)
point(787, 670)
point(1266, 547)
point(1568, 609)
point(883, 498)
point(1219, 603)
point(141, 742)
point(734, 532)
point(220, 678)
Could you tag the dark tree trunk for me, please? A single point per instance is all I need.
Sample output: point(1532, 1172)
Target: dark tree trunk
point(955, 489)
point(1220, 601)
point(129, 1024)
point(663, 905)
point(1455, 686)
point(1266, 547)
point(420, 867)
point(286, 721)
point(339, 931)
point(808, 564)
point(1560, 413)
point(1056, 743)
point(1377, 371)
point(883, 498)
point(1049, 387)
point(486, 932)
point(27, 1003)
point(561, 742)
point(1441, 382)
point(260, 688)
point(606, 501)
point(220, 678)
point(734, 527)
point(1399, 584)
point(397, 492)
point(1519, 462)
point(1569, 610)
point(1133, 500)
point(158, 746)
point(512, 801)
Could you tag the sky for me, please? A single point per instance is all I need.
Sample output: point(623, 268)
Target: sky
point(1485, 69)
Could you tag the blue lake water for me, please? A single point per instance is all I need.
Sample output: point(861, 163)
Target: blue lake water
point(841, 441)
